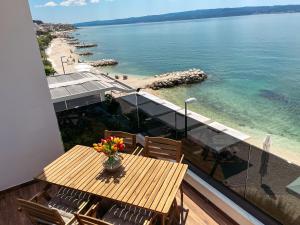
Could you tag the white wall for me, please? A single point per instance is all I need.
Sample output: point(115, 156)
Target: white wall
point(29, 135)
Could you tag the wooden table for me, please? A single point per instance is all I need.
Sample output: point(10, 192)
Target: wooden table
point(143, 182)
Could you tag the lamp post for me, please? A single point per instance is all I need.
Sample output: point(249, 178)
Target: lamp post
point(137, 108)
point(62, 63)
point(186, 102)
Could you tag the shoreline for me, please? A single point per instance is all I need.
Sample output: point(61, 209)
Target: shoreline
point(59, 47)
point(71, 60)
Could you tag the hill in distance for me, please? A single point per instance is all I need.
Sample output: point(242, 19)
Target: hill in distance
point(197, 14)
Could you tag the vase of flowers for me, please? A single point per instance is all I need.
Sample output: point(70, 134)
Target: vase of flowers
point(111, 147)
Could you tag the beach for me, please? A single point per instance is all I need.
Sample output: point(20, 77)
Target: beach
point(59, 47)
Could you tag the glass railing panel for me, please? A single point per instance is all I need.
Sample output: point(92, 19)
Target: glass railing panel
point(86, 125)
point(199, 156)
point(270, 186)
point(219, 155)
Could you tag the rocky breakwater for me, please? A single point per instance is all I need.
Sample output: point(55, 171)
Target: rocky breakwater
point(73, 42)
point(169, 80)
point(86, 45)
point(104, 62)
point(84, 53)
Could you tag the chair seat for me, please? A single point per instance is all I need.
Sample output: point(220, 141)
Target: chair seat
point(59, 210)
point(65, 212)
point(127, 215)
point(67, 202)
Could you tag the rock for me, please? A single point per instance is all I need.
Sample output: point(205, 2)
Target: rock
point(86, 45)
point(169, 80)
point(73, 42)
point(104, 62)
point(85, 53)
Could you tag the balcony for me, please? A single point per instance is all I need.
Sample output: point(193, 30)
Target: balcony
point(234, 176)
point(257, 181)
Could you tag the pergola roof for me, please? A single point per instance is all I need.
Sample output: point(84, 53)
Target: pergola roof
point(81, 88)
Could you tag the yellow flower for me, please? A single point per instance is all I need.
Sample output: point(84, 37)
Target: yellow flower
point(98, 147)
point(118, 140)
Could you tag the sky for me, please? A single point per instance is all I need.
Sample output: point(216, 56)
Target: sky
point(72, 11)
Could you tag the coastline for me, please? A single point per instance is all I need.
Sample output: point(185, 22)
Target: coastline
point(59, 47)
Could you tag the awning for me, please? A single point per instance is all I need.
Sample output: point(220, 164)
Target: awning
point(82, 88)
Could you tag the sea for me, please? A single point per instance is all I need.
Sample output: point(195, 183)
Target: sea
point(252, 62)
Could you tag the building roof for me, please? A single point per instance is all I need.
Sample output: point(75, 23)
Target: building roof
point(81, 88)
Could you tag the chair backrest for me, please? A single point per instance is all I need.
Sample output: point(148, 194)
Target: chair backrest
point(87, 220)
point(38, 213)
point(164, 148)
point(129, 139)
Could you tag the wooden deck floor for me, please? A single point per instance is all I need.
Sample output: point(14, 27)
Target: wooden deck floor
point(198, 210)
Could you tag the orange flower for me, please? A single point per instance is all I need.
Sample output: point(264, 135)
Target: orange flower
point(110, 146)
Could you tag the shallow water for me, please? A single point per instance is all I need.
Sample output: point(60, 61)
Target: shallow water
point(253, 64)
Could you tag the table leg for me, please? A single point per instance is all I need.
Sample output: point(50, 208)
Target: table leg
point(163, 220)
point(181, 196)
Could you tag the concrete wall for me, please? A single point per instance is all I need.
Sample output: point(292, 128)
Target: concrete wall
point(29, 135)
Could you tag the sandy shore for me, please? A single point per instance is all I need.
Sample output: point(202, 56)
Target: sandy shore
point(59, 47)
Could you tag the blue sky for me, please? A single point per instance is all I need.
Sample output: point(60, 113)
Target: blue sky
point(71, 11)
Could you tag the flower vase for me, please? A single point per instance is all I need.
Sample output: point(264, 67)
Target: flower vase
point(113, 163)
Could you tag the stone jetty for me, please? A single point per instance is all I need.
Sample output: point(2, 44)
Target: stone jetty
point(104, 62)
point(84, 53)
point(85, 45)
point(73, 42)
point(173, 79)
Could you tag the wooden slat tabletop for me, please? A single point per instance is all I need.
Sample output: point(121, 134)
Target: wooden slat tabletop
point(143, 182)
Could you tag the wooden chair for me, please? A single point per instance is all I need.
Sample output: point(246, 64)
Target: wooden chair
point(129, 140)
point(165, 148)
point(87, 220)
point(57, 210)
point(129, 215)
point(89, 217)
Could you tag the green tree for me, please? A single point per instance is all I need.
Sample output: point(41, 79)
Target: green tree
point(44, 41)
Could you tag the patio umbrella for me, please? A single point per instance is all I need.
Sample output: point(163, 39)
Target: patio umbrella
point(265, 157)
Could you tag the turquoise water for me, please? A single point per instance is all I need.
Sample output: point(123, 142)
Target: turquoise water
point(253, 64)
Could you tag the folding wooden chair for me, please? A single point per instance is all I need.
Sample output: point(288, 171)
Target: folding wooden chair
point(165, 148)
point(57, 210)
point(87, 220)
point(129, 215)
point(129, 141)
